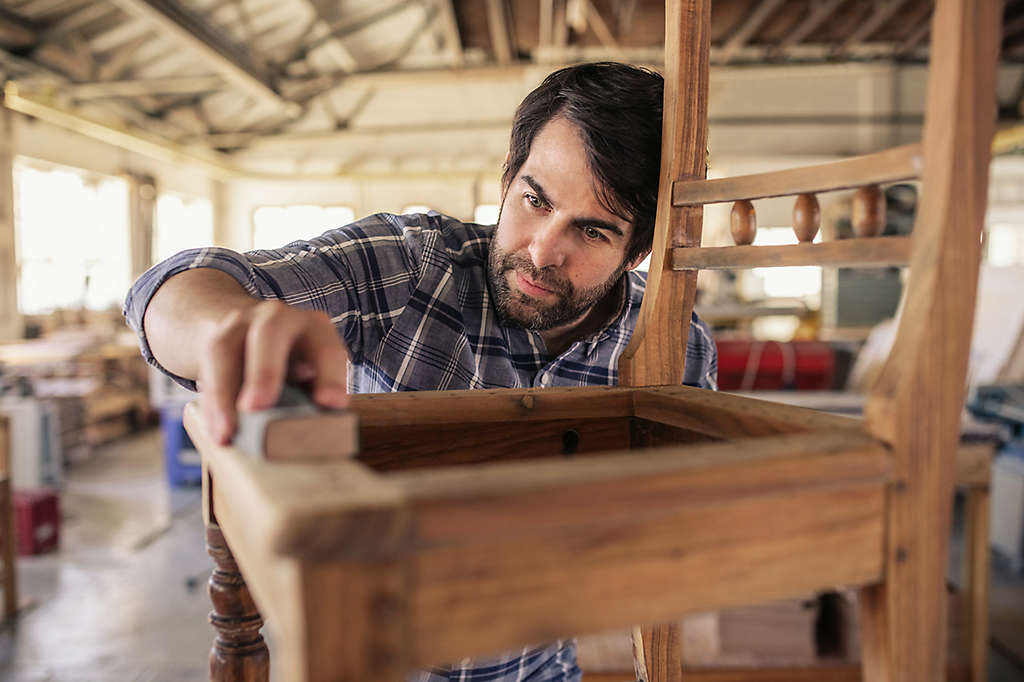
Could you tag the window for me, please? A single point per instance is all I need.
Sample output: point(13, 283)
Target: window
point(802, 283)
point(181, 223)
point(71, 237)
point(275, 226)
point(1004, 243)
point(486, 214)
point(413, 209)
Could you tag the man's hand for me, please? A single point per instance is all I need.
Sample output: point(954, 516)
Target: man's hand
point(247, 357)
point(202, 325)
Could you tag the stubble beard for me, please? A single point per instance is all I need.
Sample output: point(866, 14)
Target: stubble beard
point(517, 309)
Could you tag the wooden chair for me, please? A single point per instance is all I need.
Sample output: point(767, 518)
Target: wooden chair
point(432, 545)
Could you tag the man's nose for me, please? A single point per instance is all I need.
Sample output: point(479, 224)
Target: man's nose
point(548, 246)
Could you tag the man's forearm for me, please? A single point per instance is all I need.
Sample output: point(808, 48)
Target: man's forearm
point(184, 310)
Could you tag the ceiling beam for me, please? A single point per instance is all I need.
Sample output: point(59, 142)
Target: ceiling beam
point(137, 88)
point(501, 42)
point(333, 46)
point(922, 23)
point(818, 14)
point(452, 38)
point(879, 16)
point(764, 10)
point(78, 19)
point(233, 61)
point(15, 32)
point(604, 34)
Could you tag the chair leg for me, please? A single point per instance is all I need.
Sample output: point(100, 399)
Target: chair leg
point(658, 653)
point(239, 653)
point(976, 580)
point(8, 552)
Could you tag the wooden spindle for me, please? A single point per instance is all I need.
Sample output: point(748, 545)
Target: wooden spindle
point(743, 222)
point(806, 217)
point(239, 652)
point(868, 211)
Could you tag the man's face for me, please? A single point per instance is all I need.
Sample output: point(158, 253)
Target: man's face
point(557, 251)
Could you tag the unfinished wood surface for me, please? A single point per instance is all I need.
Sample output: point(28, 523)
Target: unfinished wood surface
point(892, 165)
point(826, 672)
point(977, 568)
point(389, 448)
point(973, 464)
point(723, 415)
point(656, 354)
point(610, 570)
point(354, 623)
point(304, 509)
point(916, 403)
point(493, 405)
point(845, 253)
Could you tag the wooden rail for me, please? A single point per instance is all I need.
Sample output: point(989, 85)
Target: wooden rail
point(864, 252)
point(892, 165)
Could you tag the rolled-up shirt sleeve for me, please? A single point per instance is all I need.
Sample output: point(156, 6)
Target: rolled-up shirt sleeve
point(344, 273)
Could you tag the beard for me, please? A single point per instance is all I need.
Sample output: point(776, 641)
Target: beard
point(517, 309)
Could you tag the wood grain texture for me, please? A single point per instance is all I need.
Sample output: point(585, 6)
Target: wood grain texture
point(977, 569)
point(723, 415)
point(916, 403)
point(861, 252)
point(826, 672)
point(892, 165)
point(309, 509)
point(656, 354)
point(238, 652)
point(492, 405)
point(391, 448)
point(612, 571)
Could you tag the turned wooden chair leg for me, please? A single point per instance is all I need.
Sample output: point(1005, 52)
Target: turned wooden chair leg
point(976, 580)
point(658, 653)
point(239, 653)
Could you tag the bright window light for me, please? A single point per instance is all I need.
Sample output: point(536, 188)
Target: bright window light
point(275, 226)
point(803, 283)
point(486, 214)
point(413, 209)
point(1005, 244)
point(71, 236)
point(181, 223)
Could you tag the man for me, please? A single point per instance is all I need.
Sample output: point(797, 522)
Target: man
point(546, 298)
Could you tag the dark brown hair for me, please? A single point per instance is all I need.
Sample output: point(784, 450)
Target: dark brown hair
point(617, 110)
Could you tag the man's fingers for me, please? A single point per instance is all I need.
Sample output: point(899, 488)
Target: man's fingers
point(272, 335)
point(220, 375)
point(322, 347)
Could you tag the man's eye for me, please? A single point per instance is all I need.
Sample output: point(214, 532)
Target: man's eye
point(534, 200)
point(593, 233)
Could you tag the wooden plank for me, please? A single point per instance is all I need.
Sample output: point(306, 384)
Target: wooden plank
point(916, 403)
point(977, 570)
point(724, 415)
point(641, 568)
point(389, 448)
point(494, 405)
point(455, 505)
point(972, 466)
point(338, 509)
point(8, 551)
point(826, 672)
point(656, 354)
point(846, 253)
point(10, 318)
point(892, 165)
point(354, 624)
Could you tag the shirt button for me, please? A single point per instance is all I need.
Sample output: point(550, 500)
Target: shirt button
point(545, 380)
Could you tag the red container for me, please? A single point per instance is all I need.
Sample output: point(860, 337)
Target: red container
point(37, 520)
point(771, 365)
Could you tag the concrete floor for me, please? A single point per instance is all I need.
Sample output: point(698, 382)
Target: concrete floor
point(125, 598)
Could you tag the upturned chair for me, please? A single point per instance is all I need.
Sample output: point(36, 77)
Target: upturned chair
point(639, 503)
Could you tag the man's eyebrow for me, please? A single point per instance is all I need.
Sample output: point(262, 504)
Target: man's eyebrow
point(578, 222)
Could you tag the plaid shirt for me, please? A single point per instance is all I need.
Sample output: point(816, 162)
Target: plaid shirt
point(409, 295)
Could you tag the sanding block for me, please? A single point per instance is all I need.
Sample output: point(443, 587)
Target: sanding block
point(297, 429)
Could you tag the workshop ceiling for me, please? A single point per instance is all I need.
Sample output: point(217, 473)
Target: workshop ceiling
point(230, 77)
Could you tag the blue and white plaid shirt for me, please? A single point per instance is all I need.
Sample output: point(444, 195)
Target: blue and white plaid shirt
point(409, 295)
